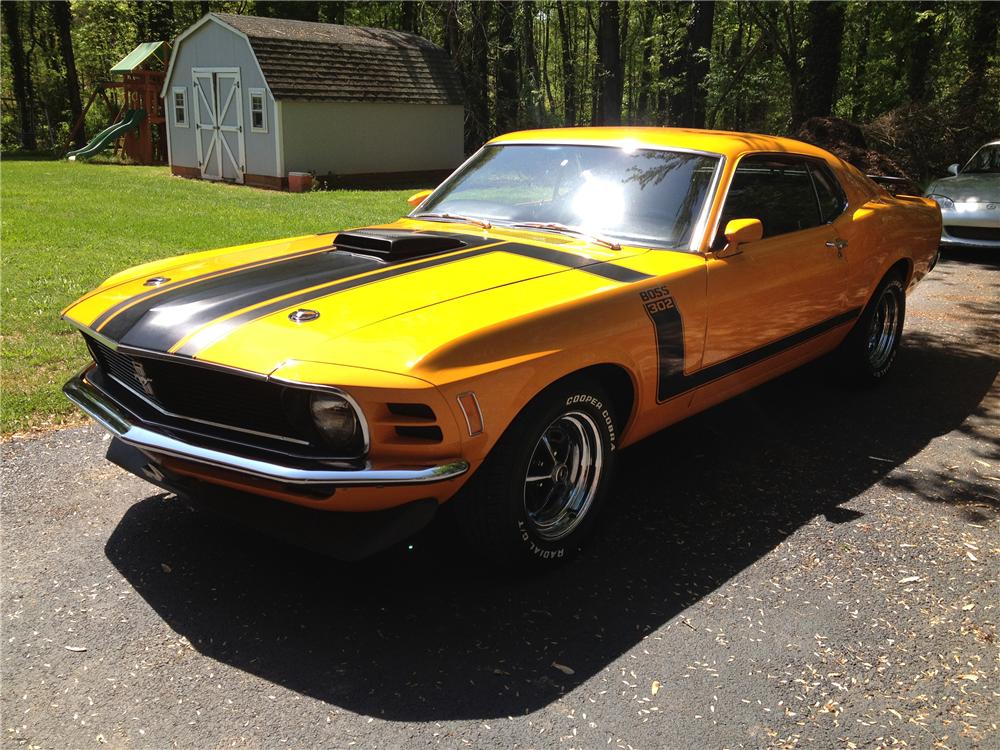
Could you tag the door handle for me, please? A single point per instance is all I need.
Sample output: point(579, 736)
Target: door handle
point(838, 243)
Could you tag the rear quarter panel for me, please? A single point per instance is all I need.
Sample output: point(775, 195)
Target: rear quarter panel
point(886, 229)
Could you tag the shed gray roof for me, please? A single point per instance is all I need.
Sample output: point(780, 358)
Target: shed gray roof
point(324, 61)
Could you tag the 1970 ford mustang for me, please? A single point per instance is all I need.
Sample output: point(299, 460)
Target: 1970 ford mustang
point(564, 294)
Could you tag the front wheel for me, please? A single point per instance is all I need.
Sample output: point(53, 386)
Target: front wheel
point(869, 350)
point(535, 499)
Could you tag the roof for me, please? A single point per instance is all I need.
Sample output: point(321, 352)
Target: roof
point(713, 141)
point(323, 61)
point(159, 51)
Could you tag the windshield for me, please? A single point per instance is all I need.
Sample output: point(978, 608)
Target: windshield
point(639, 196)
point(986, 159)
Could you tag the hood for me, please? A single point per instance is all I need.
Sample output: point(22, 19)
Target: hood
point(981, 188)
point(256, 308)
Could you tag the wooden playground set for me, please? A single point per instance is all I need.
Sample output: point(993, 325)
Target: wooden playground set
point(138, 133)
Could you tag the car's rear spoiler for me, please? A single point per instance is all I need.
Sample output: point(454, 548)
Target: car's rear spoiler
point(896, 185)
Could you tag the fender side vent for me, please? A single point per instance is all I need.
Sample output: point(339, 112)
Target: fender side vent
point(413, 411)
point(395, 244)
point(426, 434)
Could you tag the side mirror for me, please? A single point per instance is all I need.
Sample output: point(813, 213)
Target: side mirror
point(739, 232)
point(417, 198)
point(953, 169)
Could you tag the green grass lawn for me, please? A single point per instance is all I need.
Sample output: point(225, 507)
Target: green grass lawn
point(67, 226)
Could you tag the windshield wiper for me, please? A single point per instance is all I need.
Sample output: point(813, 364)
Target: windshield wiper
point(454, 217)
point(555, 226)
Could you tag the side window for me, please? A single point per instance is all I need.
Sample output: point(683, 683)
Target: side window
point(258, 113)
point(179, 94)
point(775, 189)
point(832, 200)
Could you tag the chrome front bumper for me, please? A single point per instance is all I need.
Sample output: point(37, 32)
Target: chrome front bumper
point(126, 428)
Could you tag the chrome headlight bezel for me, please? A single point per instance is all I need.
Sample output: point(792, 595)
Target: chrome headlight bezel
point(338, 420)
point(304, 410)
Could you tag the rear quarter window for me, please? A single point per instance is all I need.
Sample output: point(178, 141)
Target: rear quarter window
point(829, 193)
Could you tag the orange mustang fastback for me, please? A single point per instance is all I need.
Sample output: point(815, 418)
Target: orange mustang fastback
point(562, 295)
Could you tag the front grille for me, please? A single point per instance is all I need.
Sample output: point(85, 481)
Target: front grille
point(223, 399)
point(986, 234)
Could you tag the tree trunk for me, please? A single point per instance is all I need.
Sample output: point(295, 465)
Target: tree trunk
point(449, 21)
point(671, 102)
point(332, 11)
point(982, 40)
point(206, 7)
point(532, 83)
point(546, 78)
point(477, 80)
point(608, 74)
point(568, 74)
point(858, 104)
point(156, 21)
point(648, 67)
point(61, 18)
point(699, 49)
point(779, 27)
point(921, 50)
point(506, 74)
point(821, 69)
point(24, 90)
point(735, 60)
point(297, 10)
point(408, 17)
point(587, 81)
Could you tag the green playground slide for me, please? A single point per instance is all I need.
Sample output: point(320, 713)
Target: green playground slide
point(109, 135)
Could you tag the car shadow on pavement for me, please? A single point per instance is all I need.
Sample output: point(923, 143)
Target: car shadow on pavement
point(428, 634)
point(985, 256)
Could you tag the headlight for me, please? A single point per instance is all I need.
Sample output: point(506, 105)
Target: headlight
point(336, 420)
point(943, 201)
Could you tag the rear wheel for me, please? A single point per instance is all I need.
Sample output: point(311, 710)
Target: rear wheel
point(535, 499)
point(869, 350)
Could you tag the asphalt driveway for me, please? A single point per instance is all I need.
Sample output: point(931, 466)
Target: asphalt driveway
point(806, 566)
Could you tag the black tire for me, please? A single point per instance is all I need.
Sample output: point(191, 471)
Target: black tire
point(867, 354)
point(516, 524)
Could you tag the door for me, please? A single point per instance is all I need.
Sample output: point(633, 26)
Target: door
point(218, 117)
point(779, 295)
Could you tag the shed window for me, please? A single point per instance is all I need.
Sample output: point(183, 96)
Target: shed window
point(258, 111)
point(180, 106)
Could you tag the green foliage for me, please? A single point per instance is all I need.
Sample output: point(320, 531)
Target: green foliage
point(66, 226)
point(756, 58)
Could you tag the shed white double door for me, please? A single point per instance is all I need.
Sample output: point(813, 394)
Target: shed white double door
point(218, 121)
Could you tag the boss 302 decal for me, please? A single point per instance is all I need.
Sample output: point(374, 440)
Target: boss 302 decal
point(668, 325)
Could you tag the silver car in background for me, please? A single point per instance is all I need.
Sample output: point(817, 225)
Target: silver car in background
point(970, 200)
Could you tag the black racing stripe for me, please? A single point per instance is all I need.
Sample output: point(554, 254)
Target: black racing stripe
point(157, 291)
point(158, 323)
point(617, 273)
point(162, 321)
point(565, 259)
point(673, 383)
point(223, 328)
point(137, 310)
point(579, 262)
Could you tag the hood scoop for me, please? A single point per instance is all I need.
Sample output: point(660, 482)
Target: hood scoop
point(395, 244)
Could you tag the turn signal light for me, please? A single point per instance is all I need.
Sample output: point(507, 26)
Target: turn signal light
point(473, 414)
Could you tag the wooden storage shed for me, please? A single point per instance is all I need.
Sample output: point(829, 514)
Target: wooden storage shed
point(250, 99)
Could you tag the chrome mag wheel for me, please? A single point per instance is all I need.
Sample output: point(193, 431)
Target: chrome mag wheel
point(884, 330)
point(563, 475)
